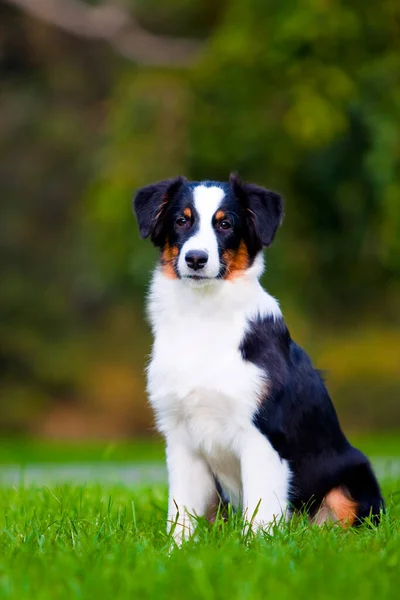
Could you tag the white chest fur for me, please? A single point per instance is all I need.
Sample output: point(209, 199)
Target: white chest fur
point(198, 382)
point(197, 370)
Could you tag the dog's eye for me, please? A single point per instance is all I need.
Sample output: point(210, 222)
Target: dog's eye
point(181, 221)
point(225, 225)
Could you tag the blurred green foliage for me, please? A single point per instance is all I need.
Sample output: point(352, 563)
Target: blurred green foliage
point(303, 98)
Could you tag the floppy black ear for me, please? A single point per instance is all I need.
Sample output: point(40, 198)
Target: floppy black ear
point(150, 205)
point(262, 208)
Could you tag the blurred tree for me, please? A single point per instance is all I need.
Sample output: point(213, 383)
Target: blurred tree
point(114, 25)
point(49, 125)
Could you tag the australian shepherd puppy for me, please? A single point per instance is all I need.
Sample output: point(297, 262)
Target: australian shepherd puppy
point(244, 413)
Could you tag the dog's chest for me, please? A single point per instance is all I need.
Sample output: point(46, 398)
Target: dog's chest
point(198, 379)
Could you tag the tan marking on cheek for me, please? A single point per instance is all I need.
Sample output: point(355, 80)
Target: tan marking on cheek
point(188, 213)
point(219, 215)
point(236, 262)
point(168, 257)
point(337, 506)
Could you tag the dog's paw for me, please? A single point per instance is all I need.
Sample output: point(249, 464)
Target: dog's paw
point(180, 528)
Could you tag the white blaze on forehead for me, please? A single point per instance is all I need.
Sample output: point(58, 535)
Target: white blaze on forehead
point(206, 201)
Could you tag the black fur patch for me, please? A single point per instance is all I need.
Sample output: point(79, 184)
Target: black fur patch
point(300, 421)
point(262, 210)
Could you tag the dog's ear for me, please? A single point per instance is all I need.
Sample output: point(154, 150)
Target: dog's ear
point(262, 209)
point(150, 205)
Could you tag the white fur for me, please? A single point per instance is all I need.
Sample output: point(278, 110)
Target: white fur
point(206, 201)
point(204, 396)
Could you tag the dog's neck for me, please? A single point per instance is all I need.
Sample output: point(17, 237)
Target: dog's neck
point(175, 298)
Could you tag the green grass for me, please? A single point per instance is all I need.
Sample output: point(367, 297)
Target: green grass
point(30, 450)
point(109, 543)
point(22, 451)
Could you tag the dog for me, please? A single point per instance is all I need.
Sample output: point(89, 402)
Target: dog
point(244, 413)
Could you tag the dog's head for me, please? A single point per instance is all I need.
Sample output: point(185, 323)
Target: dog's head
point(207, 230)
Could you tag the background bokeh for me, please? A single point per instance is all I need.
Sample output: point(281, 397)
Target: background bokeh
point(98, 99)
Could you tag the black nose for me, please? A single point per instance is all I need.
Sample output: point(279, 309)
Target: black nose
point(196, 259)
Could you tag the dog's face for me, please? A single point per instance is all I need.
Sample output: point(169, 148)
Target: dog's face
point(207, 230)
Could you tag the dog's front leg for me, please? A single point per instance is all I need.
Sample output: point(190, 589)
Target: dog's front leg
point(265, 479)
point(191, 487)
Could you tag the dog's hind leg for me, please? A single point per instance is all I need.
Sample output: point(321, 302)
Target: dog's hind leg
point(356, 499)
point(338, 507)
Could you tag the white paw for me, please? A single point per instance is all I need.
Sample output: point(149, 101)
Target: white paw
point(180, 527)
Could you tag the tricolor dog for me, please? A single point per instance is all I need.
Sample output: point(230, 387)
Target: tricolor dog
point(244, 413)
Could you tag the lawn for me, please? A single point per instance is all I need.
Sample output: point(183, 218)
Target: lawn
point(107, 542)
point(21, 451)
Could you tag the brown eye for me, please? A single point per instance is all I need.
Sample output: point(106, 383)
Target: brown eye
point(181, 222)
point(225, 225)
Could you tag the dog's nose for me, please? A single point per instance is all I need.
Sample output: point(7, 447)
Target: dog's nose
point(196, 259)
